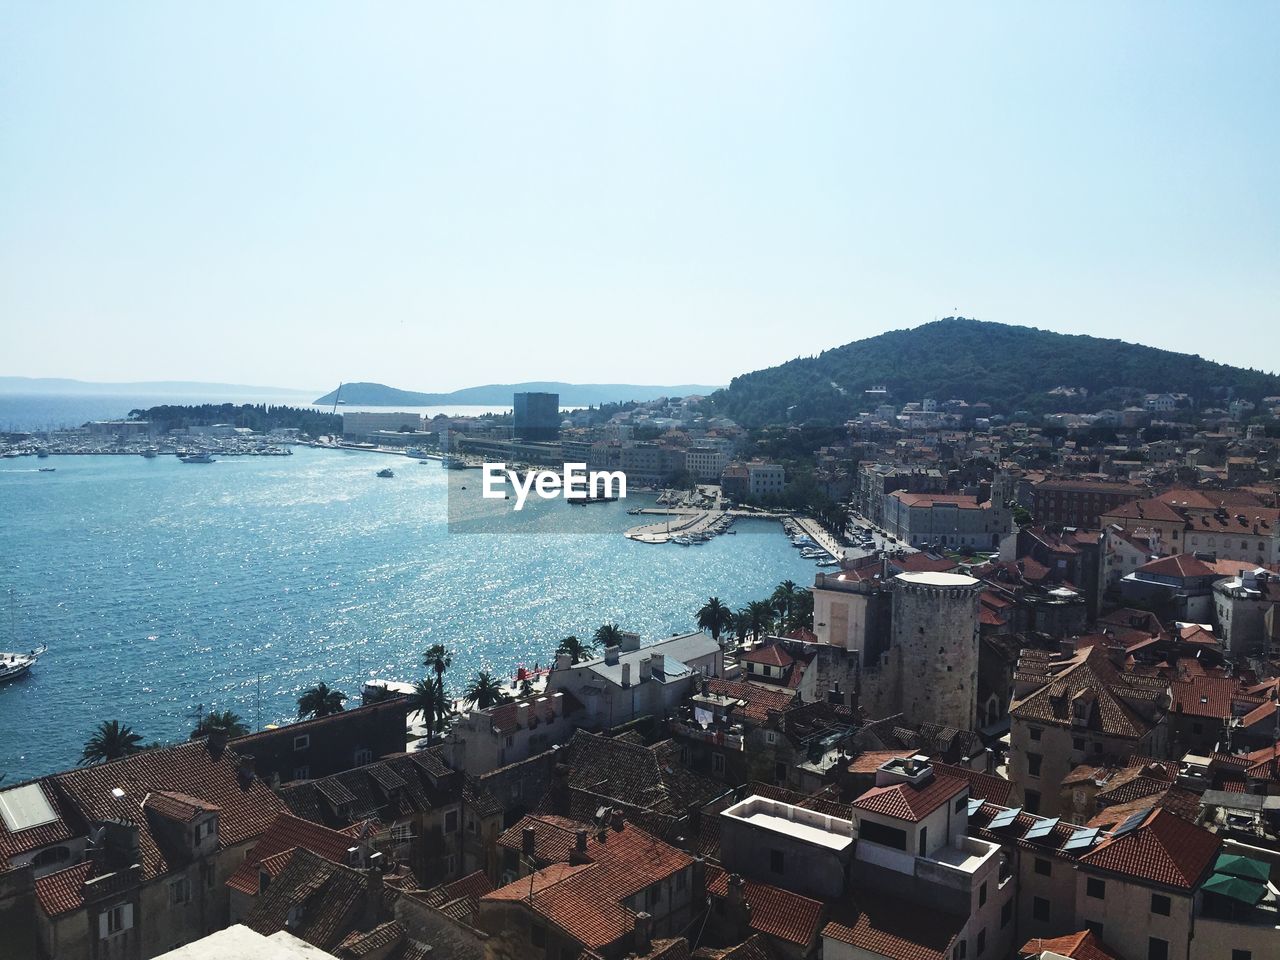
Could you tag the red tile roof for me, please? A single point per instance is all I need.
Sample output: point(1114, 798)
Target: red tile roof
point(906, 802)
point(1090, 673)
point(24, 841)
point(1084, 945)
point(870, 761)
point(760, 701)
point(63, 892)
point(774, 912)
point(893, 928)
point(585, 901)
point(1182, 566)
point(1203, 696)
point(1164, 849)
point(982, 786)
point(177, 806)
point(246, 807)
point(772, 656)
point(288, 833)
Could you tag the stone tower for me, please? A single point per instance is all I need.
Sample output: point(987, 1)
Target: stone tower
point(934, 647)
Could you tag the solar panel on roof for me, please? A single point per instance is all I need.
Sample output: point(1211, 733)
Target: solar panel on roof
point(1004, 818)
point(1042, 829)
point(1081, 839)
point(25, 807)
point(974, 805)
point(1130, 823)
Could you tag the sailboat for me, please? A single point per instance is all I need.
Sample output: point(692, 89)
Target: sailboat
point(15, 665)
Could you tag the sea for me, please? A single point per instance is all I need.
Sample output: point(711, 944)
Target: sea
point(165, 589)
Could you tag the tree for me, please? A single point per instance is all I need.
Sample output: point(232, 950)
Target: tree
point(426, 700)
point(784, 599)
point(716, 617)
point(225, 720)
point(607, 635)
point(576, 649)
point(485, 691)
point(112, 740)
point(760, 617)
point(320, 701)
point(741, 624)
point(439, 658)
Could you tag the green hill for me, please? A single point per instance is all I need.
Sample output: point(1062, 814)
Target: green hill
point(1009, 367)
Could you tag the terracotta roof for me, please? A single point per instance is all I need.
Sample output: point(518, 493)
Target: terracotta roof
point(774, 912)
point(63, 892)
point(19, 842)
point(315, 900)
point(1182, 566)
point(1089, 673)
point(1164, 849)
point(1084, 945)
point(585, 901)
point(502, 717)
point(1203, 696)
point(893, 928)
point(286, 833)
point(554, 836)
point(177, 806)
point(246, 807)
point(922, 563)
point(906, 802)
point(1147, 510)
point(772, 656)
point(760, 701)
point(982, 786)
point(361, 943)
point(869, 761)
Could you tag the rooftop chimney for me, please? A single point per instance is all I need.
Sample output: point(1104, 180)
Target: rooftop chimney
point(216, 740)
point(646, 668)
point(616, 820)
point(659, 664)
point(522, 716)
point(563, 661)
point(246, 771)
point(528, 843)
point(626, 674)
point(579, 852)
point(373, 892)
point(611, 655)
point(630, 641)
point(644, 933)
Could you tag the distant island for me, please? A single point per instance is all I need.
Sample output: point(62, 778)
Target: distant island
point(499, 394)
point(1008, 368)
point(258, 417)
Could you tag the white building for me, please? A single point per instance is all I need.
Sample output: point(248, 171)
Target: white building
point(359, 425)
point(766, 479)
point(705, 463)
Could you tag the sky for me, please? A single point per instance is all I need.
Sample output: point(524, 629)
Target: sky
point(438, 195)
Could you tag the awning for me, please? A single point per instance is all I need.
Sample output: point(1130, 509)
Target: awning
point(1245, 891)
point(1247, 868)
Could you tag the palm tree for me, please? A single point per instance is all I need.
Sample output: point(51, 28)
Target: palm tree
point(784, 598)
point(607, 635)
point(576, 649)
point(425, 700)
point(802, 611)
point(760, 616)
point(741, 624)
point(320, 701)
point(439, 658)
point(111, 741)
point(226, 720)
point(486, 690)
point(716, 617)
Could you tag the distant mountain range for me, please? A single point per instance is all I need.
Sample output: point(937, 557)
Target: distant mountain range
point(1008, 367)
point(175, 388)
point(499, 394)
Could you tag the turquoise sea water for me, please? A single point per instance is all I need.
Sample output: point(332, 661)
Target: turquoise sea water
point(160, 586)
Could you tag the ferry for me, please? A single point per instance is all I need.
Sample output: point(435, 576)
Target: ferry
point(453, 463)
point(149, 453)
point(196, 458)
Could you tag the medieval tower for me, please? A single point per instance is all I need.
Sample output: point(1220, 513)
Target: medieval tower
point(934, 647)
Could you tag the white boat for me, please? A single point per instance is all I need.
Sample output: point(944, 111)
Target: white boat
point(196, 458)
point(15, 665)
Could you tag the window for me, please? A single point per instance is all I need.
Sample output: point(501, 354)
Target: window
point(1033, 764)
point(780, 772)
point(179, 891)
point(451, 821)
point(717, 763)
point(1044, 867)
point(982, 894)
point(1035, 733)
point(116, 920)
point(1040, 909)
point(1006, 913)
point(770, 737)
point(1241, 955)
point(472, 827)
point(450, 865)
point(1031, 801)
point(777, 863)
point(924, 840)
point(874, 832)
point(302, 741)
point(50, 856)
point(302, 773)
point(1093, 887)
point(362, 756)
point(960, 804)
point(982, 940)
point(1160, 904)
point(964, 949)
point(1095, 926)
point(1157, 949)
point(402, 832)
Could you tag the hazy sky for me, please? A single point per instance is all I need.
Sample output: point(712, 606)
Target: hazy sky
point(438, 195)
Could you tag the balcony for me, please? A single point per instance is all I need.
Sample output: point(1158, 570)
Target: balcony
point(718, 735)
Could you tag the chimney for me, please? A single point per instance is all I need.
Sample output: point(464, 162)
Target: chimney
point(706, 686)
point(646, 668)
point(373, 908)
point(579, 853)
point(630, 641)
point(644, 933)
point(216, 741)
point(834, 695)
point(659, 664)
point(557, 704)
point(611, 656)
point(616, 820)
point(737, 909)
point(626, 674)
point(528, 843)
point(246, 771)
point(563, 661)
point(522, 716)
